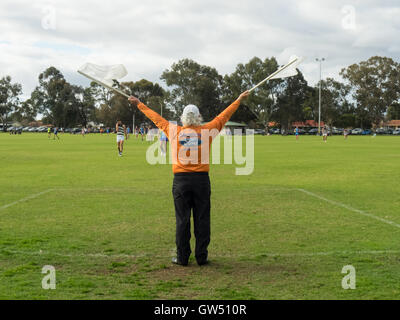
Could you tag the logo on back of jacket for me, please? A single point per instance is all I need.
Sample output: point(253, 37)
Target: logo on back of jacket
point(189, 140)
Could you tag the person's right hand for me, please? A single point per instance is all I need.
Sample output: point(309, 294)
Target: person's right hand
point(135, 101)
point(244, 95)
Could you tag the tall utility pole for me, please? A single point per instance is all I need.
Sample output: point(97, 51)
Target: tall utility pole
point(319, 108)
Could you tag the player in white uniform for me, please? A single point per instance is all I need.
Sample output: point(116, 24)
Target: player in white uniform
point(120, 129)
point(325, 134)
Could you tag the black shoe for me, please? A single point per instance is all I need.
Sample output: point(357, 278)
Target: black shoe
point(176, 261)
point(203, 263)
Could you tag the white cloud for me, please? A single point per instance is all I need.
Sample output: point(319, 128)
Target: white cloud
point(148, 36)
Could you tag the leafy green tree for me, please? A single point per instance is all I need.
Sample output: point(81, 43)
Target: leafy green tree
point(100, 94)
point(118, 107)
point(9, 98)
point(311, 104)
point(291, 96)
point(259, 106)
point(394, 111)
point(26, 112)
point(102, 99)
point(55, 98)
point(336, 106)
point(84, 104)
point(376, 86)
point(196, 84)
point(334, 100)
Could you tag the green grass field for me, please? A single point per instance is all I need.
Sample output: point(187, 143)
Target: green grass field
point(107, 224)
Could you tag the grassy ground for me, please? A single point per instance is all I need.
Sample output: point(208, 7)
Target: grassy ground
point(107, 223)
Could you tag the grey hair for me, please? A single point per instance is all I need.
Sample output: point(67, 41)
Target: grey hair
point(190, 119)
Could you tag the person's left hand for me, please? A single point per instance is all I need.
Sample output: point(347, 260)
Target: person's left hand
point(135, 101)
point(244, 95)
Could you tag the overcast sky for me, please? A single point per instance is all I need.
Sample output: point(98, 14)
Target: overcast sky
point(148, 36)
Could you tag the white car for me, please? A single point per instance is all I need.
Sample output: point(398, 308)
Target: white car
point(396, 132)
point(357, 131)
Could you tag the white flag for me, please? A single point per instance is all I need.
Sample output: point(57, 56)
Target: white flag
point(288, 70)
point(104, 74)
point(291, 70)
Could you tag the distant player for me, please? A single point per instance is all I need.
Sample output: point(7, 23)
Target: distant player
point(56, 134)
point(324, 134)
point(296, 132)
point(83, 132)
point(163, 143)
point(142, 132)
point(345, 134)
point(149, 134)
point(49, 132)
point(120, 129)
point(128, 131)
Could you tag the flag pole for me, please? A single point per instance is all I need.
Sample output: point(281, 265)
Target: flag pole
point(274, 74)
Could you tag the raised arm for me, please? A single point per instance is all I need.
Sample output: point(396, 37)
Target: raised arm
point(219, 121)
point(159, 121)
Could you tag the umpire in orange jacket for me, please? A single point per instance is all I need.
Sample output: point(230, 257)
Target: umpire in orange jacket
point(191, 190)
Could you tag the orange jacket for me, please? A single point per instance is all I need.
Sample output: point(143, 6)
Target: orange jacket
point(190, 145)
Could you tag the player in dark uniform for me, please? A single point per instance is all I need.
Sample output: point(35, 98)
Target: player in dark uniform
point(56, 134)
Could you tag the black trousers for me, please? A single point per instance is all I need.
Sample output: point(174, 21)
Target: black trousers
point(192, 191)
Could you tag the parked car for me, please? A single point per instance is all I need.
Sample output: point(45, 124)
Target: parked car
point(313, 131)
point(384, 131)
point(366, 132)
point(357, 131)
point(276, 131)
point(4, 127)
point(337, 131)
point(259, 131)
point(396, 132)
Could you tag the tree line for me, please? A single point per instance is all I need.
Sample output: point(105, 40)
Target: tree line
point(368, 94)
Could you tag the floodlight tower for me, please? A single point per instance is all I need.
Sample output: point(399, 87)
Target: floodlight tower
point(319, 108)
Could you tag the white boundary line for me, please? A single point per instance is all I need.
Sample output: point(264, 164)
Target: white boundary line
point(339, 204)
point(311, 254)
point(76, 255)
point(332, 253)
point(268, 255)
point(25, 199)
